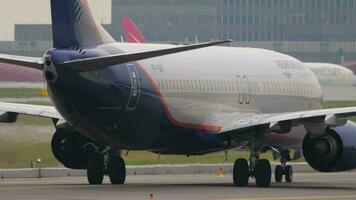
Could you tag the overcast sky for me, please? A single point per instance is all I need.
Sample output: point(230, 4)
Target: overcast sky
point(38, 12)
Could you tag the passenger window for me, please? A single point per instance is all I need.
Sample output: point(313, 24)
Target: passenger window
point(240, 90)
point(202, 86)
point(191, 87)
point(265, 88)
point(206, 86)
point(175, 86)
point(196, 86)
point(216, 86)
point(178, 85)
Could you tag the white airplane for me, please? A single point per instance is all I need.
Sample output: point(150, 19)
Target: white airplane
point(328, 74)
point(332, 75)
point(161, 98)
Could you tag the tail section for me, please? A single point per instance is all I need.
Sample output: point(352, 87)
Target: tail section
point(132, 33)
point(73, 25)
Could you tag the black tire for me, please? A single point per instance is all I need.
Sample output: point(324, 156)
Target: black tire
point(289, 174)
point(95, 169)
point(278, 173)
point(241, 173)
point(263, 173)
point(117, 170)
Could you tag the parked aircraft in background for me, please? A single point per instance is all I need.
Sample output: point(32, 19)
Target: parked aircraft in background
point(169, 99)
point(332, 75)
point(132, 33)
point(350, 65)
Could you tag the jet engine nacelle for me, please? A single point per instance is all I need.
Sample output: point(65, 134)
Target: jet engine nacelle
point(69, 148)
point(333, 152)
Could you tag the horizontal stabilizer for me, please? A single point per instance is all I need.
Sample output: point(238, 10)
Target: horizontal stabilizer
point(9, 111)
point(31, 62)
point(90, 64)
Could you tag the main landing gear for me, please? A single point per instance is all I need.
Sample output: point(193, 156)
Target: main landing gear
point(260, 169)
point(75, 151)
point(110, 164)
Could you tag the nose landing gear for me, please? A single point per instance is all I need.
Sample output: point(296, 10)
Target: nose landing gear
point(284, 169)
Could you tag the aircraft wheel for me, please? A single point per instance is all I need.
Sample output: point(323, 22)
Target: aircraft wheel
point(117, 170)
point(289, 174)
point(263, 173)
point(95, 169)
point(278, 173)
point(241, 172)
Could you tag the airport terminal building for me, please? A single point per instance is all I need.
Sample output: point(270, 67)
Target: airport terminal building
point(310, 30)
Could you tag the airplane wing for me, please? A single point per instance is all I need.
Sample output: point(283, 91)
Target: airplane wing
point(312, 120)
point(11, 110)
point(90, 64)
point(31, 62)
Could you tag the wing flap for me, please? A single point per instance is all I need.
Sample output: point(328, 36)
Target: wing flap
point(31, 62)
point(90, 64)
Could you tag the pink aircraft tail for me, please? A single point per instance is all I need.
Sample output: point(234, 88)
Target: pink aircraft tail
point(132, 33)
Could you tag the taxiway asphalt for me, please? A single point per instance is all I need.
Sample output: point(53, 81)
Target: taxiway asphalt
point(181, 187)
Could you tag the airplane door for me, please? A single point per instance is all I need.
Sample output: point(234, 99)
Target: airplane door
point(240, 87)
point(247, 89)
point(244, 90)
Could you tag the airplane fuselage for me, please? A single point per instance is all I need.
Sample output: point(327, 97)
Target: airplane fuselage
point(166, 104)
